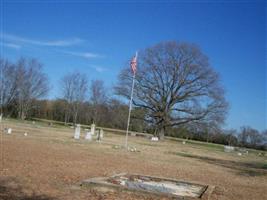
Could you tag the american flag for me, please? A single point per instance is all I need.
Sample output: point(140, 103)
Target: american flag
point(134, 64)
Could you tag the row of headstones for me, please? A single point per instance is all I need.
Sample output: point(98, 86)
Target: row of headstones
point(240, 151)
point(89, 134)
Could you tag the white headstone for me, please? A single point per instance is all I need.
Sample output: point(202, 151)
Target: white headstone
point(9, 130)
point(93, 129)
point(25, 134)
point(88, 136)
point(154, 139)
point(229, 149)
point(77, 132)
point(101, 133)
point(184, 142)
point(1, 116)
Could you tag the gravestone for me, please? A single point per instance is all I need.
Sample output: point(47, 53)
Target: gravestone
point(1, 116)
point(93, 129)
point(8, 130)
point(88, 136)
point(229, 149)
point(155, 139)
point(100, 135)
point(77, 132)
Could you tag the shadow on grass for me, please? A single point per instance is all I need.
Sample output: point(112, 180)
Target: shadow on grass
point(243, 168)
point(9, 190)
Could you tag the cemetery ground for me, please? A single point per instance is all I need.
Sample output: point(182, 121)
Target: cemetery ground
point(49, 164)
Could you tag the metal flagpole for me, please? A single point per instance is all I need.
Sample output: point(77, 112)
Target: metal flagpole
point(129, 115)
point(130, 109)
point(1, 77)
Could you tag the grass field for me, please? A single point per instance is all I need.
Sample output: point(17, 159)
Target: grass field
point(49, 164)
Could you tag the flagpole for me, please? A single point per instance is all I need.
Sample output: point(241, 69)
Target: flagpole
point(130, 109)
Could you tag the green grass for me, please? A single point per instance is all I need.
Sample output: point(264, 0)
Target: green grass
point(195, 143)
point(218, 147)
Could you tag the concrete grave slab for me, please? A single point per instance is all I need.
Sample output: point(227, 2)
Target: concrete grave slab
point(150, 185)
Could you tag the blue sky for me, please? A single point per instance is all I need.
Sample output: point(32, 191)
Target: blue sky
point(99, 38)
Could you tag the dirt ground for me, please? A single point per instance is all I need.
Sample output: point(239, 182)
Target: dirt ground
point(48, 164)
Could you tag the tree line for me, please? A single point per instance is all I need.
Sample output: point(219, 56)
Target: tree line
point(24, 87)
point(177, 93)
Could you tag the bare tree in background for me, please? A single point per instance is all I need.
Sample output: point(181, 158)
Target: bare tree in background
point(67, 90)
point(250, 137)
point(32, 84)
point(231, 137)
point(176, 85)
point(8, 85)
point(74, 89)
point(98, 98)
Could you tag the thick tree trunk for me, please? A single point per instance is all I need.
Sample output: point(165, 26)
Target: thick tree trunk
point(161, 133)
point(22, 115)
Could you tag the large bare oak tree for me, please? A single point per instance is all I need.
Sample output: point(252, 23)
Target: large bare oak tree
point(176, 85)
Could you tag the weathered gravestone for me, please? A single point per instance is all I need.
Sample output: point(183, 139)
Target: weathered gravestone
point(93, 129)
point(77, 132)
point(88, 136)
point(100, 135)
